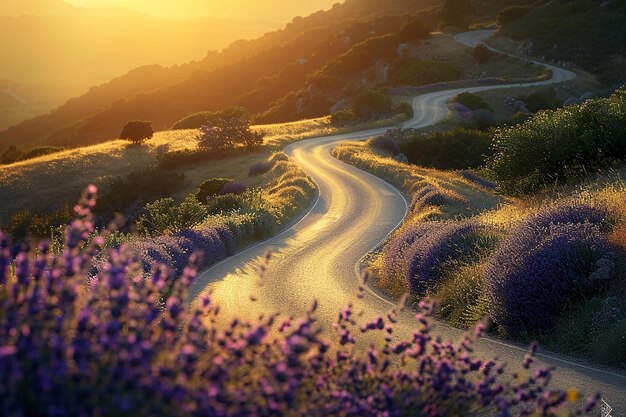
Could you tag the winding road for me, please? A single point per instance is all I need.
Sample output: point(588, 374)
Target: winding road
point(317, 257)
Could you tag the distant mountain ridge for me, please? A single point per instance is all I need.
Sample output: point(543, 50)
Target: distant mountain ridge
point(18, 8)
point(254, 74)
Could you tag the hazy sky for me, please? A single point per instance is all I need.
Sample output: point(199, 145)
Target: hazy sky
point(269, 10)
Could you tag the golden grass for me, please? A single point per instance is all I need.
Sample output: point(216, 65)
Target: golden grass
point(466, 197)
point(280, 134)
point(51, 180)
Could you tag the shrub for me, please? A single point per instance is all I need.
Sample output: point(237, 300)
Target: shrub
point(39, 151)
point(417, 253)
point(137, 188)
point(164, 216)
point(112, 344)
point(512, 13)
point(233, 188)
point(344, 118)
point(541, 100)
point(221, 133)
point(471, 176)
point(260, 168)
point(137, 131)
point(371, 105)
point(471, 101)
point(458, 148)
point(183, 158)
point(482, 119)
point(223, 204)
point(278, 156)
point(482, 54)
point(210, 188)
point(403, 108)
point(537, 271)
point(385, 144)
point(27, 222)
point(558, 145)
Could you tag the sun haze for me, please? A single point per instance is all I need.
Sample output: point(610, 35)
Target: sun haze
point(272, 10)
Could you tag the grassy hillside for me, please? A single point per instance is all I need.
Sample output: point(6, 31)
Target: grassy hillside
point(249, 73)
point(588, 33)
point(47, 183)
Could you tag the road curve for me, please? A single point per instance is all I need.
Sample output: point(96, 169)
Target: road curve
point(354, 212)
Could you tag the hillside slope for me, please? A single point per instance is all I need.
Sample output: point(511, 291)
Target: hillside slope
point(250, 73)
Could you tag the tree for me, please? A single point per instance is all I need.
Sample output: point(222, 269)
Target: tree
point(228, 132)
point(456, 13)
point(137, 131)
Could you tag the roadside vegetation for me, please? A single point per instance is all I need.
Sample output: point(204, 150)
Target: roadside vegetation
point(542, 259)
point(119, 346)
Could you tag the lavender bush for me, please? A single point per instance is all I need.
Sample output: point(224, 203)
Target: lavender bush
point(260, 168)
point(418, 252)
point(110, 347)
point(471, 176)
point(233, 188)
point(537, 271)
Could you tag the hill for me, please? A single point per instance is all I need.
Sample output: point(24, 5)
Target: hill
point(250, 73)
point(588, 33)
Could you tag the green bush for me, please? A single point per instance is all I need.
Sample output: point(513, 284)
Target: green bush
point(28, 222)
point(541, 100)
point(137, 131)
point(554, 146)
point(226, 203)
point(138, 188)
point(471, 101)
point(344, 118)
point(11, 155)
point(459, 148)
point(164, 216)
point(403, 108)
point(371, 105)
point(482, 54)
point(210, 188)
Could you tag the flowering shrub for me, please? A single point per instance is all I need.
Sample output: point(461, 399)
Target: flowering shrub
point(233, 188)
point(471, 176)
point(384, 143)
point(260, 168)
point(419, 251)
point(536, 271)
point(109, 346)
point(571, 211)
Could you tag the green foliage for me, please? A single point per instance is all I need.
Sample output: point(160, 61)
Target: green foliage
point(38, 224)
point(459, 148)
point(228, 133)
point(482, 54)
point(428, 72)
point(512, 13)
point(545, 99)
point(344, 117)
point(403, 108)
point(456, 13)
point(586, 33)
point(472, 101)
point(164, 216)
point(555, 146)
point(226, 203)
point(210, 188)
point(197, 120)
point(137, 131)
point(371, 105)
point(137, 188)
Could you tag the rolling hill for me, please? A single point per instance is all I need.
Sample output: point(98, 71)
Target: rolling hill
point(253, 74)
